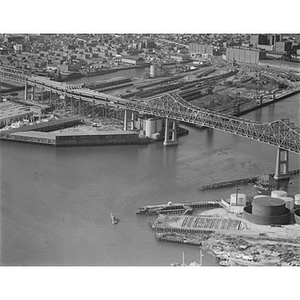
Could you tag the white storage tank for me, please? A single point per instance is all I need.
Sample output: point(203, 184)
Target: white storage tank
point(278, 194)
point(239, 199)
point(289, 202)
point(297, 199)
point(150, 127)
point(153, 71)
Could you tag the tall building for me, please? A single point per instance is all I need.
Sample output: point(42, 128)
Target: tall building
point(254, 40)
point(264, 39)
point(281, 47)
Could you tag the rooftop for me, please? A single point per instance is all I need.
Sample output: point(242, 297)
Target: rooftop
point(9, 110)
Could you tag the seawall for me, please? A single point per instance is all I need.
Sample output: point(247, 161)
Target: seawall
point(266, 103)
point(105, 138)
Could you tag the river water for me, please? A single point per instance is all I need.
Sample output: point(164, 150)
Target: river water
point(55, 202)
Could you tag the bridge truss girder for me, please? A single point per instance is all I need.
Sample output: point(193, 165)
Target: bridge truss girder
point(282, 133)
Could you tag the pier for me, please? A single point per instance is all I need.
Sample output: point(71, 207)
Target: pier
point(236, 182)
point(196, 224)
point(176, 208)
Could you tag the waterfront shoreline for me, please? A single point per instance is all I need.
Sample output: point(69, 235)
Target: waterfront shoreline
point(249, 245)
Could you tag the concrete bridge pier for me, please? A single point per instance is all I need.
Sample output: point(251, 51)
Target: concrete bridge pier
point(50, 100)
point(125, 120)
point(281, 175)
point(26, 91)
point(32, 96)
point(42, 95)
point(170, 133)
point(132, 120)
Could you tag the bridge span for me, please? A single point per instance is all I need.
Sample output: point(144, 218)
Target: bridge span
point(281, 133)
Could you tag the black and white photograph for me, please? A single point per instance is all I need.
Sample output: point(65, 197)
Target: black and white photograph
point(138, 143)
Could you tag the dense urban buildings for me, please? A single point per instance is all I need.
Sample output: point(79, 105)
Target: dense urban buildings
point(55, 55)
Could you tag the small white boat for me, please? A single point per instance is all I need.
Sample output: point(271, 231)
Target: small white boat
point(114, 220)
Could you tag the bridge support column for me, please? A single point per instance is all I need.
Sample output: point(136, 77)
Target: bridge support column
point(125, 119)
point(170, 133)
point(132, 121)
point(65, 105)
point(282, 166)
point(72, 105)
point(93, 110)
point(55, 102)
point(32, 94)
point(26, 91)
point(50, 100)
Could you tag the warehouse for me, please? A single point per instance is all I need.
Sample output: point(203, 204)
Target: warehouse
point(245, 55)
point(201, 48)
point(10, 113)
point(133, 60)
point(180, 57)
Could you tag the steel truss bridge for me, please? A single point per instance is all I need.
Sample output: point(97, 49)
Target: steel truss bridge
point(281, 133)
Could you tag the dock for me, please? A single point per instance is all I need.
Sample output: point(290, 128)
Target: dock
point(237, 182)
point(196, 224)
point(176, 208)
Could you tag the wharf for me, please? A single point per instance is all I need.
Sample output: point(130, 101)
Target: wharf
point(224, 184)
point(236, 242)
point(236, 182)
point(196, 224)
point(284, 95)
point(178, 238)
point(75, 139)
point(179, 208)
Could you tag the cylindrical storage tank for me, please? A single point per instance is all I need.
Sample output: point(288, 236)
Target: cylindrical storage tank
point(289, 202)
point(158, 125)
point(150, 127)
point(153, 71)
point(259, 196)
point(297, 216)
point(278, 193)
point(268, 206)
point(238, 199)
point(297, 199)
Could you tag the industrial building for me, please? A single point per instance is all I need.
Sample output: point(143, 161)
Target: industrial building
point(245, 55)
point(10, 113)
point(180, 57)
point(133, 60)
point(48, 126)
point(201, 48)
